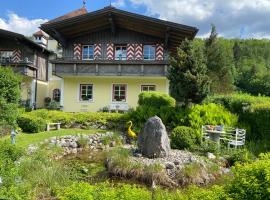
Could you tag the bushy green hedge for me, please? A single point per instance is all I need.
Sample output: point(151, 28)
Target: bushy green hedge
point(253, 112)
point(155, 99)
point(210, 114)
point(35, 121)
point(251, 180)
point(183, 138)
point(155, 103)
point(31, 124)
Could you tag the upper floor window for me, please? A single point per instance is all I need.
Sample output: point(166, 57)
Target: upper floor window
point(56, 95)
point(86, 92)
point(149, 52)
point(6, 56)
point(148, 88)
point(88, 52)
point(120, 52)
point(119, 92)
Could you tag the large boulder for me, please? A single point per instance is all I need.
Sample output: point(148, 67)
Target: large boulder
point(154, 142)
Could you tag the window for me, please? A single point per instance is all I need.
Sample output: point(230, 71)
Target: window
point(149, 52)
point(88, 52)
point(148, 88)
point(120, 53)
point(119, 92)
point(86, 92)
point(56, 95)
point(6, 56)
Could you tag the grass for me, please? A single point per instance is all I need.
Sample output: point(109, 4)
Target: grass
point(25, 139)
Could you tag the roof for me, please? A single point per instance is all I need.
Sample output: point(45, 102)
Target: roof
point(21, 38)
point(41, 33)
point(74, 13)
point(110, 17)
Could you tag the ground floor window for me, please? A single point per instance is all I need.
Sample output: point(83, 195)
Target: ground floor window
point(86, 92)
point(119, 92)
point(148, 88)
point(6, 56)
point(56, 95)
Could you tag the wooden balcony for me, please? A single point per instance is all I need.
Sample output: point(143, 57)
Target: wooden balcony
point(102, 67)
point(26, 68)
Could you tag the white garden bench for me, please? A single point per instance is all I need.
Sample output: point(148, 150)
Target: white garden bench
point(56, 125)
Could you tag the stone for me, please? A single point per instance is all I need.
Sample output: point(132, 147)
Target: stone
point(169, 165)
point(73, 144)
point(211, 156)
point(154, 142)
point(176, 162)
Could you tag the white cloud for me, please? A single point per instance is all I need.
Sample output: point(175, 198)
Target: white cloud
point(19, 24)
point(230, 16)
point(119, 3)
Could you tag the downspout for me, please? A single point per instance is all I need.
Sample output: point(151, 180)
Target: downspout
point(36, 85)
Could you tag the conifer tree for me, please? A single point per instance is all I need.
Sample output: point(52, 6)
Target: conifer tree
point(188, 74)
point(219, 64)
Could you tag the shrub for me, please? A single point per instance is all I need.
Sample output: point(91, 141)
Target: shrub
point(210, 114)
point(251, 180)
point(9, 96)
point(77, 191)
point(152, 104)
point(183, 138)
point(31, 124)
point(253, 112)
point(155, 99)
point(84, 120)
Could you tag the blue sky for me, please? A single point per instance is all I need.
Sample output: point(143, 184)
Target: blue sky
point(233, 18)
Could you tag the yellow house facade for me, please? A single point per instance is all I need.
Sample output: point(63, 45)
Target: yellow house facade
point(104, 92)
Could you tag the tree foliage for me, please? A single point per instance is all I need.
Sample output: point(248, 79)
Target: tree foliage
point(220, 63)
point(188, 74)
point(9, 96)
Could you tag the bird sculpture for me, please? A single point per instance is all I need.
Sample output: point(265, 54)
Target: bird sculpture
point(130, 132)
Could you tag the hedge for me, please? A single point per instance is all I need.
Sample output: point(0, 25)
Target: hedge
point(253, 112)
point(34, 121)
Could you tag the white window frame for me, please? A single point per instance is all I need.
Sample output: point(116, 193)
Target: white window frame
point(148, 53)
point(113, 92)
point(88, 52)
point(121, 46)
point(148, 85)
point(80, 92)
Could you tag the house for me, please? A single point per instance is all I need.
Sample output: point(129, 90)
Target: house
point(29, 59)
point(110, 56)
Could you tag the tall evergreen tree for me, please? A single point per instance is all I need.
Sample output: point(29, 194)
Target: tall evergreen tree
point(188, 74)
point(219, 64)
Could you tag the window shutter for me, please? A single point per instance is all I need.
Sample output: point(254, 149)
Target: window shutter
point(110, 51)
point(130, 51)
point(97, 51)
point(138, 52)
point(159, 52)
point(77, 51)
point(17, 55)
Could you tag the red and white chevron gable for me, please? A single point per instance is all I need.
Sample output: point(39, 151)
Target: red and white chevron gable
point(138, 52)
point(16, 55)
point(97, 51)
point(159, 52)
point(77, 51)
point(130, 51)
point(110, 51)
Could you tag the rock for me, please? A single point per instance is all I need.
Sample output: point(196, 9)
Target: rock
point(176, 162)
point(31, 149)
point(154, 142)
point(211, 156)
point(73, 144)
point(169, 165)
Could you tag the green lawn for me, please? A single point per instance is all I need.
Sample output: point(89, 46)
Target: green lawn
point(24, 139)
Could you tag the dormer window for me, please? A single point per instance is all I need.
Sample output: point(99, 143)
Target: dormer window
point(88, 52)
point(121, 52)
point(149, 52)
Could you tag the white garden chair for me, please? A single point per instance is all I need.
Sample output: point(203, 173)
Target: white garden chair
point(237, 138)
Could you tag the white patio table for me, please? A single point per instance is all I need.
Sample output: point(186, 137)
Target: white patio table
point(215, 136)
